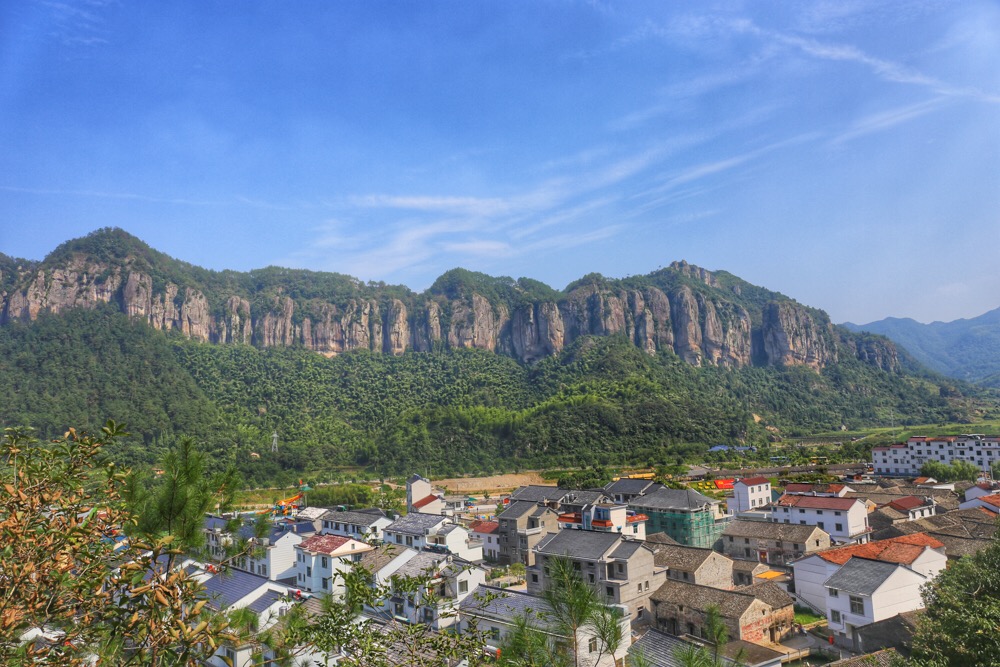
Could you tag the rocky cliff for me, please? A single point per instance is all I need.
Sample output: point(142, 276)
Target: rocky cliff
point(685, 309)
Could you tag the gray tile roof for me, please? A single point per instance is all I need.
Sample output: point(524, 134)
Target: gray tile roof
point(731, 604)
point(662, 650)
point(861, 576)
point(261, 604)
point(673, 499)
point(424, 563)
point(505, 604)
point(356, 517)
point(415, 523)
point(535, 493)
point(278, 529)
point(231, 586)
point(678, 557)
point(631, 487)
point(660, 538)
point(626, 549)
point(517, 509)
point(581, 544)
point(578, 497)
point(769, 530)
point(883, 658)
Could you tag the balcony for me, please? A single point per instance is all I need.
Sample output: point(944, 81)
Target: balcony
point(571, 517)
point(527, 532)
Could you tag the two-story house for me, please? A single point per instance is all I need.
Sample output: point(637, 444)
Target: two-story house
point(624, 570)
point(750, 493)
point(429, 587)
point(864, 591)
point(321, 560)
point(433, 532)
point(626, 489)
point(523, 524)
point(844, 519)
point(487, 532)
point(694, 565)
point(772, 543)
point(919, 552)
point(608, 518)
point(270, 555)
point(421, 496)
point(366, 525)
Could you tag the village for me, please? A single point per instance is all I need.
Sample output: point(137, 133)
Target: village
point(797, 573)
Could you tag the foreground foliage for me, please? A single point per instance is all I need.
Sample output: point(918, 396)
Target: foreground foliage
point(67, 572)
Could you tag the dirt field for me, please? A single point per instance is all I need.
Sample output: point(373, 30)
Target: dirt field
point(493, 484)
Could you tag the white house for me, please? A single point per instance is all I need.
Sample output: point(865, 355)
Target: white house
point(844, 519)
point(487, 532)
point(606, 518)
point(272, 555)
point(918, 551)
point(494, 611)
point(442, 582)
point(365, 525)
point(421, 496)
point(433, 532)
point(864, 591)
point(990, 503)
point(319, 559)
point(750, 493)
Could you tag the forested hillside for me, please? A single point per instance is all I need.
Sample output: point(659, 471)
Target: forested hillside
point(602, 400)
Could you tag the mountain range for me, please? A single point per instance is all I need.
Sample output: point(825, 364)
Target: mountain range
point(476, 373)
point(965, 349)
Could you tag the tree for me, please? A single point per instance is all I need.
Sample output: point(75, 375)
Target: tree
point(717, 636)
point(175, 502)
point(71, 585)
point(574, 607)
point(961, 625)
point(957, 470)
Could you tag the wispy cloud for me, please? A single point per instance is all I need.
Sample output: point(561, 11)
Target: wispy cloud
point(111, 195)
point(887, 119)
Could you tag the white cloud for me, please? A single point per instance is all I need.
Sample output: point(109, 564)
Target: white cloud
point(888, 119)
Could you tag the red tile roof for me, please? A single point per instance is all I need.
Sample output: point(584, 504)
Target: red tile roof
point(817, 502)
point(754, 481)
point(906, 503)
point(485, 527)
point(324, 543)
point(993, 499)
point(905, 550)
point(424, 502)
point(925, 480)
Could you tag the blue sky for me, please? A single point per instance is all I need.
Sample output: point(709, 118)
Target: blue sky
point(844, 153)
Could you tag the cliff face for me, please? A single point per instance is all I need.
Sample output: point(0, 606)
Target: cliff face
point(694, 316)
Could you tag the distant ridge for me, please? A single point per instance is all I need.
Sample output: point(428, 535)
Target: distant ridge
point(965, 349)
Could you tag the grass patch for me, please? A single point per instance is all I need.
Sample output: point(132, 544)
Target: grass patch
point(806, 616)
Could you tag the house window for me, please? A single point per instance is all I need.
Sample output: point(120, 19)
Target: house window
point(325, 562)
point(730, 539)
point(640, 588)
point(647, 588)
point(835, 616)
point(839, 527)
point(610, 591)
point(834, 593)
point(230, 654)
point(309, 571)
point(534, 578)
point(326, 583)
point(593, 645)
point(463, 587)
point(820, 525)
point(857, 605)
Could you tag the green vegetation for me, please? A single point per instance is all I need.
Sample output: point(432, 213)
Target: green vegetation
point(954, 472)
point(601, 404)
point(805, 616)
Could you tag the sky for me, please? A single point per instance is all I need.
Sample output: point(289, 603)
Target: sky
point(845, 153)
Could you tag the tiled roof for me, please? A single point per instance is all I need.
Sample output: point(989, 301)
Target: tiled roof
point(505, 604)
point(817, 502)
point(325, 544)
point(905, 549)
point(310, 513)
point(378, 558)
point(660, 538)
point(768, 530)
point(424, 502)
point(770, 593)
point(229, 587)
point(628, 486)
point(993, 500)
point(517, 509)
point(535, 493)
point(906, 503)
point(261, 604)
point(578, 497)
point(748, 565)
point(862, 576)
point(421, 565)
point(753, 481)
point(584, 544)
point(355, 517)
point(673, 499)
point(884, 658)
point(485, 527)
point(681, 557)
point(659, 649)
point(731, 604)
point(415, 523)
point(625, 550)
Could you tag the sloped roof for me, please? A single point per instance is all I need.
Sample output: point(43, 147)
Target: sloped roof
point(425, 501)
point(356, 517)
point(817, 502)
point(506, 603)
point(415, 523)
point(324, 544)
point(485, 527)
point(261, 604)
point(678, 557)
point(884, 658)
point(629, 486)
point(862, 576)
point(517, 509)
point(753, 481)
point(770, 530)
point(584, 544)
point(768, 592)
point(731, 604)
point(229, 587)
point(660, 538)
point(907, 503)
point(904, 549)
point(993, 500)
point(673, 499)
point(536, 493)
point(375, 559)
